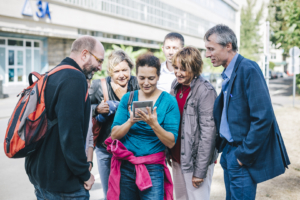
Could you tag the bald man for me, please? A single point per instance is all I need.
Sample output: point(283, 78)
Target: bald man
point(59, 168)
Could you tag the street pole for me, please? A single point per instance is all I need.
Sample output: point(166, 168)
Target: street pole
point(294, 89)
point(294, 75)
point(294, 67)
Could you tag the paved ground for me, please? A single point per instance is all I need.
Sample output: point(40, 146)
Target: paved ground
point(15, 185)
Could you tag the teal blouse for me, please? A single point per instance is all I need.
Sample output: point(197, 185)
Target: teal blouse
point(141, 139)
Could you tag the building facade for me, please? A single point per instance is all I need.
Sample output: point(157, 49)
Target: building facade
point(36, 35)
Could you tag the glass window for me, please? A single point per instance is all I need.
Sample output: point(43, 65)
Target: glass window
point(20, 57)
point(99, 34)
point(15, 43)
point(11, 75)
point(28, 44)
point(20, 74)
point(37, 61)
point(28, 61)
point(2, 63)
point(11, 57)
point(36, 44)
point(2, 41)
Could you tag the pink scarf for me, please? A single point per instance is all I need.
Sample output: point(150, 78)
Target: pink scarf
point(143, 180)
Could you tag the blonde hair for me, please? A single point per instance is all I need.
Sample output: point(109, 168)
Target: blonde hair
point(117, 57)
point(190, 59)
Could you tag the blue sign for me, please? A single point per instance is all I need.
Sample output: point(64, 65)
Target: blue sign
point(43, 9)
point(27, 9)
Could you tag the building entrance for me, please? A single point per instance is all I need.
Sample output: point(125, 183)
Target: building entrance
point(19, 57)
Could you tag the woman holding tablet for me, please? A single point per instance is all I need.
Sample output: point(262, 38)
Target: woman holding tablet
point(118, 83)
point(194, 154)
point(145, 140)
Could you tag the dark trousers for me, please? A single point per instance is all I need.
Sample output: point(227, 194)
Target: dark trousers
point(238, 182)
point(42, 194)
point(129, 189)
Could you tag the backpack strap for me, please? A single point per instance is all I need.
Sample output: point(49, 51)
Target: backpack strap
point(104, 89)
point(87, 94)
point(130, 98)
point(56, 69)
point(37, 75)
point(52, 123)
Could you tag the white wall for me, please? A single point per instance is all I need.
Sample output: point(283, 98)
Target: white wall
point(67, 19)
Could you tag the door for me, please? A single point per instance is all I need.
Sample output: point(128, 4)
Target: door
point(16, 65)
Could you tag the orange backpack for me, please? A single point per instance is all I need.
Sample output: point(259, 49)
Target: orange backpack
point(29, 124)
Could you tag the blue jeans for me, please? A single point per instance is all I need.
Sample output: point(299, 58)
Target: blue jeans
point(238, 182)
point(103, 160)
point(42, 194)
point(129, 189)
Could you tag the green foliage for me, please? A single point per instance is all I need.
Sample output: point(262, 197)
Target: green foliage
point(251, 45)
point(208, 66)
point(271, 65)
point(284, 16)
point(128, 49)
point(298, 82)
point(160, 54)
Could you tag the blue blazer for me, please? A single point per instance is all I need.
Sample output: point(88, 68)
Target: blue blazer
point(252, 122)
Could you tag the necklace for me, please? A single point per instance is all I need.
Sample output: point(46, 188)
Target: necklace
point(182, 92)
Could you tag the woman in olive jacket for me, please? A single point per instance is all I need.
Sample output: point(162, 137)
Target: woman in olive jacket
point(194, 153)
point(118, 83)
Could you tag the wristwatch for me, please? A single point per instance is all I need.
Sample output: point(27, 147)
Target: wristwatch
point(91, 163)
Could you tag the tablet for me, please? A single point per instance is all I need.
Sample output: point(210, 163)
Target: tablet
point(142, 106)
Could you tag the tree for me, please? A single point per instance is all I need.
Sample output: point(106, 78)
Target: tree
point(251, 44)
point(271, 65)
point(284, 17)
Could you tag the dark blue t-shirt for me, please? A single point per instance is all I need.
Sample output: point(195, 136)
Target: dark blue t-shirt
point(141, 139)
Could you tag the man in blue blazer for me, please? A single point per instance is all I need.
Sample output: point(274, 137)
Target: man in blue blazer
point(248, 133)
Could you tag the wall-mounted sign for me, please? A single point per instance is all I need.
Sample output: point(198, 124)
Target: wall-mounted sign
point(27, 10)
point(43, 9)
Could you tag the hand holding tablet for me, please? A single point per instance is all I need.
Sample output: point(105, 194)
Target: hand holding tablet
point(143, 111)
point(141, 105)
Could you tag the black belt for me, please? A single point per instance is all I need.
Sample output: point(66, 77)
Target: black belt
point(234, 144)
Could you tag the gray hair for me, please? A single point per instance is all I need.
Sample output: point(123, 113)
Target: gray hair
point(84, 42)
point(224, 36)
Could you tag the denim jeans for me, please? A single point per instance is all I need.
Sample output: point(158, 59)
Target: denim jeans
point(129, 189)
point(103, 160)
point(42, 194)
point(238, 182)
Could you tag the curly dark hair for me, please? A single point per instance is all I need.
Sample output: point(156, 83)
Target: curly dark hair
point(148, 59)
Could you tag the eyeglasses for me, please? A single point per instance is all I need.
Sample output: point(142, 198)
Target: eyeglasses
point(100, 61)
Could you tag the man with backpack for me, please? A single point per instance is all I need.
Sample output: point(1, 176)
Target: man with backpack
point(59, 168)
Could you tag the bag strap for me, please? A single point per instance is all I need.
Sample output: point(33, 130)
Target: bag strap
point(104, 89)
point(52, 123)
point(37, 75)
point(56, 69)
point(130, 98)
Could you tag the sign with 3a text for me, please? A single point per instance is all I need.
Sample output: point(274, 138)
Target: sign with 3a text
point(42, 9)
